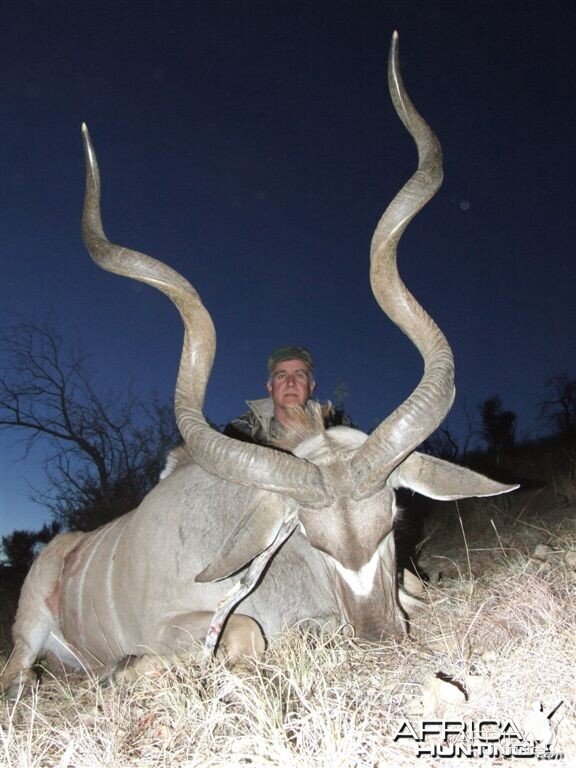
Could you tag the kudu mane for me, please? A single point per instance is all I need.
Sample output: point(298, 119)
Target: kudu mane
point(304, 423)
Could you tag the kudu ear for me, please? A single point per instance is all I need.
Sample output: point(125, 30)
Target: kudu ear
point(255, 532)
point(438, 479)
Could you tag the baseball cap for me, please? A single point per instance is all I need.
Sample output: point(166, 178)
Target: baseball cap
point(289, 353)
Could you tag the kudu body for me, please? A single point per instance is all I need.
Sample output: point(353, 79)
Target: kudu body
point(322, 516)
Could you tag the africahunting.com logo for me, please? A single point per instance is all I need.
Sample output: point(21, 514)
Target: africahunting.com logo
point(536, 737)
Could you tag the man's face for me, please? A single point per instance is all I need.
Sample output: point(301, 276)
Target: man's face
point(291, 383)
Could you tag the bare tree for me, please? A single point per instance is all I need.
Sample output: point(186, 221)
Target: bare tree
point(498, 425)
point(107, 450)
point(445, 443)
point(560, 406)
point(441, 444)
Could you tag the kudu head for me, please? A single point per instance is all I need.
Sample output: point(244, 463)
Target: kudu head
point(338, 486)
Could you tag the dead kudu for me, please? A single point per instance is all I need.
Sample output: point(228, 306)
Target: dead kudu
point(319, 519)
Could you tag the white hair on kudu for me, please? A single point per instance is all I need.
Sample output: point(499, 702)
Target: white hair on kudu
point(176, 458)
point(308, 533)
point(306, 436)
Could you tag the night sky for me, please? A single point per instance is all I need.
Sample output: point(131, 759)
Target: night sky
point(252, 145)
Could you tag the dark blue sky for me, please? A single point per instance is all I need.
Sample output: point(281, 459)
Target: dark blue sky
point(252, 145)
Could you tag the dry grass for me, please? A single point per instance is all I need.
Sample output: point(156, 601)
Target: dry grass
point(500, 624)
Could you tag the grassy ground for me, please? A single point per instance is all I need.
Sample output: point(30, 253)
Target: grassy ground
point(498, 634)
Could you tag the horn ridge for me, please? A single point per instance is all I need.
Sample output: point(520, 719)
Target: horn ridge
point(415, 419)
point(218, 454)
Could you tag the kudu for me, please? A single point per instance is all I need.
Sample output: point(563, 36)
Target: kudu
point(319, 519)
